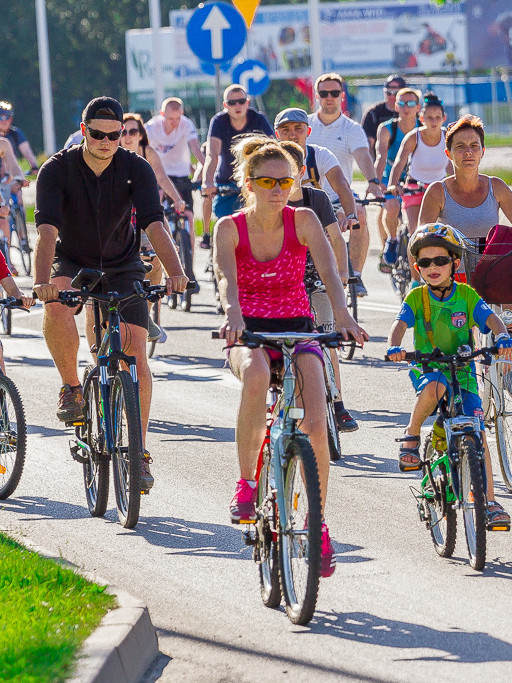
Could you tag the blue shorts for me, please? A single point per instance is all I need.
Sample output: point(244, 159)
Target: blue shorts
point(471, 403)
point(226, 205)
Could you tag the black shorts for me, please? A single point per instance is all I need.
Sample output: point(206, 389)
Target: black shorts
point(184, 187)
point(121, 279)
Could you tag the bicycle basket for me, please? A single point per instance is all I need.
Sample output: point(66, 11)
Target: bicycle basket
point(489, 268)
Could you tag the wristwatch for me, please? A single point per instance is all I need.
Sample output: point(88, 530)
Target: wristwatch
point(374, 180)
point(351, 216)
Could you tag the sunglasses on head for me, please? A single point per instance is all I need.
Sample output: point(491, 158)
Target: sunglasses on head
point(240, 100)
point(437, 261)
point(326, 93)
point(129, 131)
point(101, 135)
point(269, 183)
point(410, 103)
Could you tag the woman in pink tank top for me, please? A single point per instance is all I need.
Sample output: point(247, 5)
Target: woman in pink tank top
point(259, 257)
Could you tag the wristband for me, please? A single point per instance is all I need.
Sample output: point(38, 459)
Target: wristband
point(394, 349)
point(374, 180)
point(503, 341)
point(351, 216)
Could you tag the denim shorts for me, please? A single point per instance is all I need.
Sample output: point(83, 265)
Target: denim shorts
point(471, 403)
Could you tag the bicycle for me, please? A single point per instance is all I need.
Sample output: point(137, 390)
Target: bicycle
point(454, 474)
point(180, 229)
point(17, 227)
point(147, 256)
point(111, 426)
point(13, 427)
point(287, 533)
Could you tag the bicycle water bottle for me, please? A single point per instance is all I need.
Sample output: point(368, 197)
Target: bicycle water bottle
point(439, 435)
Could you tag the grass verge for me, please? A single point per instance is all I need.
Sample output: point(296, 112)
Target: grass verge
point(503, 173)
point(46, 613)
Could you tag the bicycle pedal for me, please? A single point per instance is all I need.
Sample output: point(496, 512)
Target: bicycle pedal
point(249, 539)
point(145, 492)
point(498, 527)
point(76, 454)
point(75, 423)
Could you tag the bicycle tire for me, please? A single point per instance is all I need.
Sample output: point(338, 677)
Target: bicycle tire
point(333, 435)
point(347, 351)
point(13, 437)
point(473, 501)
point(265, 551)
point(299, 542)
point(6, 320)
point(96, 469)
point(443, 527)
point(155, 316)
point(503, 428)
point(128, 450)
point(20, 227)
point(400, 272)
point(184, 245)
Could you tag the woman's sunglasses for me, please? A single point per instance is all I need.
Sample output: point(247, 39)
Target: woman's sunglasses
point(100, 134)
point(437, 261)
point(269, 183)
point(129, 131)
point(410, 104)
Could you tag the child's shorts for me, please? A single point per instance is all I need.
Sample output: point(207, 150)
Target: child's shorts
point(471, 403)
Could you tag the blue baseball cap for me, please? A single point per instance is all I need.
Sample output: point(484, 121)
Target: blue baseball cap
point(293, 115)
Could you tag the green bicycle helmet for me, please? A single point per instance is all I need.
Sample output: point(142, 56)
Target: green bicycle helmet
point(436, 235)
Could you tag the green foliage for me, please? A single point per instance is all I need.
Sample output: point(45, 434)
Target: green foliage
point(46, 612)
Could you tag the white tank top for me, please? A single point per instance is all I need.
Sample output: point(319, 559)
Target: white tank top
point(428, 164)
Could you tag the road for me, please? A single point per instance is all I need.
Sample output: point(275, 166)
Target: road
point(393, 610)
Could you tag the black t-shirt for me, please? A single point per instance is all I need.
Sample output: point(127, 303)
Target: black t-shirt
point(374, 116)
point(220, 127)
point(92, 214)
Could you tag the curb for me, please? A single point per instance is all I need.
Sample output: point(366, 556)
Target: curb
point(124, 644)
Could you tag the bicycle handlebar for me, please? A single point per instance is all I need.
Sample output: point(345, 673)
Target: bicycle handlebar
point(12, 302)
point(436, 356)
point(254, 340)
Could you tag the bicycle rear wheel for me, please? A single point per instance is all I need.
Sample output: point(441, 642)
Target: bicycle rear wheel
point(6, 320)
point(96, 469)
point(128, 451)
point(347, 351)
point(265, 551)
point(13, 437)
point(20, 228)
point(401, 273)
point(333, 435)
point(443, 517)
point(155, 316)
point(503, 425)
point(300, 529)
point(473, 501)
point(185, 251)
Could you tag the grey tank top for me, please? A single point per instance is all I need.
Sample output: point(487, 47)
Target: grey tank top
point(474, 222)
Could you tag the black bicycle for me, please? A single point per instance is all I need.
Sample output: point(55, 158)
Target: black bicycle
point(111, 427)
point(13, 427)
point(148, 255)
point(180, 229)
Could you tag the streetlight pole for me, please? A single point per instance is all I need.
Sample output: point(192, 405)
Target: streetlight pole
point(45, 81)
point(155, 20)
point(314, 39)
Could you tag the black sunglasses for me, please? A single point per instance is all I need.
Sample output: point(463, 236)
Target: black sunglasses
point(240, 100)
point(129, 131)
point(325, 93)
point(100, 134)
point(390, 92)
point(437, 261)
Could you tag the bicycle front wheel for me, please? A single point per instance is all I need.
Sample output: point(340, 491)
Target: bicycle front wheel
point(6, 320)
point(347, 350)
point(185, 251)
point(300, 530)
point(503, 424)
point(96, 469)
point(265, 551)
point(401, 273)
point(20, 228)
point(473, 501)
point(442, 515)
point(13, 437)
point(155, 316)
point(128, 451)
point(333, 435)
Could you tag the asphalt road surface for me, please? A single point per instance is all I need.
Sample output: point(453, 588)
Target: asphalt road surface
point(393, 610)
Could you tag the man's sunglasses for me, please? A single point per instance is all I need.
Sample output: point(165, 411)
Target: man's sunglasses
point(325, 93)
point(4, 117)
point(128, 131)
point(100, 134)
point(437, 261)
point(410, 104)
point(240, 100)
point(269, 183)
point(390, 92)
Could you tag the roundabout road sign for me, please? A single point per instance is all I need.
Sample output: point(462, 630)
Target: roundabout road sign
point(216, 32)
point(253, 75)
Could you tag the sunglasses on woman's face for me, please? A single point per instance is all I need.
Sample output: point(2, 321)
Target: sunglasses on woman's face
point(437, 261)
point(100, 134)
point(129, 131)
point(410, 103)
point(269, 183)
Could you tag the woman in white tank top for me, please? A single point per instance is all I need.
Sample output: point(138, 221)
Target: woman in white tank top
point(424, 148)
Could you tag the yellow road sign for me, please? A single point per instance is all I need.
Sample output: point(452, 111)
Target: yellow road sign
point(247, 9)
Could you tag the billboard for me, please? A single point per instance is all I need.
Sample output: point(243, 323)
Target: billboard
point(490, 29)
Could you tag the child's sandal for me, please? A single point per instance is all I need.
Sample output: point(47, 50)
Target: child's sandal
point(409, 452)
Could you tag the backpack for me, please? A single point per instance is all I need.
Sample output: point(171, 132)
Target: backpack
point(312, 168)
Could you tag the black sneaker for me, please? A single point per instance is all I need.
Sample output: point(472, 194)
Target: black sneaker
point(205, 242)
point(345, 421)
point(146, 478)
point(71, 404)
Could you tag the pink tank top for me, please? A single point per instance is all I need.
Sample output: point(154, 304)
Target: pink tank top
point(275, 288)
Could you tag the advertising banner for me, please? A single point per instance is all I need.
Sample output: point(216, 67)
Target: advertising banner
point(490, 33)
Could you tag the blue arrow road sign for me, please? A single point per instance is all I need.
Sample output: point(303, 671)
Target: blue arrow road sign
point(216, 32)
point(253, 75)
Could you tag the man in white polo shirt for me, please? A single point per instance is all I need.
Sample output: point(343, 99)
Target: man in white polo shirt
point(347, 140)
point(173, 136)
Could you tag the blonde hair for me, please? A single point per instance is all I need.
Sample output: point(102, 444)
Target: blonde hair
point(295, 151)
point(252, 151)
point(409, 91)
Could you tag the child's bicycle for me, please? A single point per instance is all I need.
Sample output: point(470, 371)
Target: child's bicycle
point(287, 533)
point(454, 468)
point(13, 427)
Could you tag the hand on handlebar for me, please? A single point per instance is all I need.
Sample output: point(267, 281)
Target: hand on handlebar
point(46, 292)
point(375, 189)
point(348, 327)
point(180, 206)
point(231, 329)
point(176, 283)
point(397, 190)
point(396, 353)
